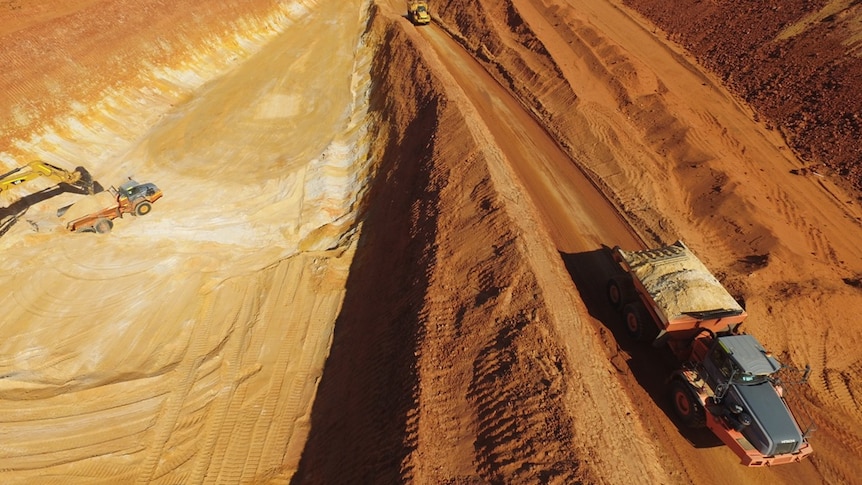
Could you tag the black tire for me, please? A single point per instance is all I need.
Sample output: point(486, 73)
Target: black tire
point(686, 405)
point(637, 322)
point(620, 291)
point(143, 209)
point(103, 226)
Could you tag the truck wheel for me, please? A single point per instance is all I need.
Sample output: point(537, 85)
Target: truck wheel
point(143, 209)
point(686, 405)
point(636, 321)
point(103, 226)
point(620, 290)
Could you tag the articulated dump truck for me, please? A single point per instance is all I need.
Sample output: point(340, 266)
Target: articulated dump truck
point(417, 12)
point(726, 380)
point(96, 213)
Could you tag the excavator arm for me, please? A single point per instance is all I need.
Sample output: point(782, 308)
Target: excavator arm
point(78, 179)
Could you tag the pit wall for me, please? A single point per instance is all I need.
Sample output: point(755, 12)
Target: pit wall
point(447, 363)
point(62, 102)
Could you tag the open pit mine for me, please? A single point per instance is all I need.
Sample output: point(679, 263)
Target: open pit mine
point(368, 241)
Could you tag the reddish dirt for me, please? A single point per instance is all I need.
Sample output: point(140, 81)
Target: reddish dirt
point(450, 326)
point(798, 64)
point(73, 51)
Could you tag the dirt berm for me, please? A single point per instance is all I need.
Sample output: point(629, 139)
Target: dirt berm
point(448, 364)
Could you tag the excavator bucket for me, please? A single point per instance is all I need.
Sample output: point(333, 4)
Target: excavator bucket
point(83, 182)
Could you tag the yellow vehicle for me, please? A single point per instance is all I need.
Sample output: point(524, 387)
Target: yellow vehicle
point(96, 213)
point(78, 179)
point(417, 12)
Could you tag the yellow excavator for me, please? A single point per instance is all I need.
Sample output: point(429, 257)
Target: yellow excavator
point(78, 181)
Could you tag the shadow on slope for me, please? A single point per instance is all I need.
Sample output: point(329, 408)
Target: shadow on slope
point(361, 419)
point(648, 365)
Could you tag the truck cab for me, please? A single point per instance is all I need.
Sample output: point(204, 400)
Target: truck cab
point(137, 198)
point(417, 12)
point(747, 396)
point(133, 190)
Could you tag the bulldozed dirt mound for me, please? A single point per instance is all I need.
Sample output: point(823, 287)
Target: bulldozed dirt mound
point(382, 250)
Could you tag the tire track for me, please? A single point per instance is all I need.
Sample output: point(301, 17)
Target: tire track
point(839, 383)
point(185, 375)
point(517, 431)
point(715, 138)
point(287, 399)
point(223, 410)
point(46, 444)
point(836, 382)
point(816, 242)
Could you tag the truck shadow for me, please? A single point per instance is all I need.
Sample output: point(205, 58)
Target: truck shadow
point(650, 366)
point(9, 216)
point(14, 212)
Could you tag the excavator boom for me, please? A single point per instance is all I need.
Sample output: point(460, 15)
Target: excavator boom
point(79, 179)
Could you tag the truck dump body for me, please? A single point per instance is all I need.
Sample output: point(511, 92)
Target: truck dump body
point(90, 204)
point(684, 294)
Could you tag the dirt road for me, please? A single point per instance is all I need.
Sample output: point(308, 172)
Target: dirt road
point(580, 220)
point(683, 159)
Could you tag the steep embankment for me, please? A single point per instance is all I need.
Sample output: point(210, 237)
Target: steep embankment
point(186, 346)
point(439, 349)
point(455, 354)
point(73, 54)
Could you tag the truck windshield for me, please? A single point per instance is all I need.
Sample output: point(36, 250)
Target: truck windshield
point(748, 379)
